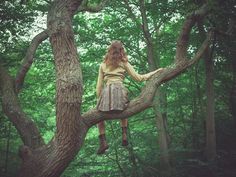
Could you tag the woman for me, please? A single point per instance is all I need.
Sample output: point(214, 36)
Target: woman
point(113, 97)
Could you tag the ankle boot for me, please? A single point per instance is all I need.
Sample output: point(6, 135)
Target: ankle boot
point(124, 136)
point(103, 144)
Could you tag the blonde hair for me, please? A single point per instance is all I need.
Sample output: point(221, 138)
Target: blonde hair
point(115, 54)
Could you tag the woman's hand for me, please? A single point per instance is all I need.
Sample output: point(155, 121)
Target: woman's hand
point(160, 70)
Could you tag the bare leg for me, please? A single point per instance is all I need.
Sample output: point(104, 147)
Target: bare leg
point(102, 138)
point(101, 128)
point(124, 123)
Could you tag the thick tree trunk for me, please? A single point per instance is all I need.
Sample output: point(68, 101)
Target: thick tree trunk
point(52, 159)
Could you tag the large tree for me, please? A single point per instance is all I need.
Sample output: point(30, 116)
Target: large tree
point(51, 159)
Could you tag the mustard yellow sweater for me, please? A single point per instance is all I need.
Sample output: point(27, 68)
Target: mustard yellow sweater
point(110, 75)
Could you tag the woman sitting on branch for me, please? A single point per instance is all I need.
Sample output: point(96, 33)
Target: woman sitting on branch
point(113, 97)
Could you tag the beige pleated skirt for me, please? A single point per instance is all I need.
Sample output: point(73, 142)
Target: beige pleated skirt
point(114, 97)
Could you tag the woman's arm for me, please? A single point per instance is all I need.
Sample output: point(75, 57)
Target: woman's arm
point(99, 82)
point(139, 77)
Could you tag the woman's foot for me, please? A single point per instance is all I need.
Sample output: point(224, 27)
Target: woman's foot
point(103, 144)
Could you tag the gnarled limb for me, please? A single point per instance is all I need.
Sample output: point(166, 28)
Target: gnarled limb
point(91, 8)
point(28, 60)
point(182, 42)
point(11, 107)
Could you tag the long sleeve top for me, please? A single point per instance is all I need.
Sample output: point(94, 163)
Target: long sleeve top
point(110, 75)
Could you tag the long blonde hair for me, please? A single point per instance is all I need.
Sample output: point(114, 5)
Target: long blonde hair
point(115, 54)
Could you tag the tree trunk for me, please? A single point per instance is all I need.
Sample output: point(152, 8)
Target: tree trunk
point(210, 119)
point(210, 105)
point(52, 159)
point(163, 137)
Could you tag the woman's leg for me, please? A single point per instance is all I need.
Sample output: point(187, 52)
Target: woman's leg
point(101, 128)
point(102, 138)
point(124, 124)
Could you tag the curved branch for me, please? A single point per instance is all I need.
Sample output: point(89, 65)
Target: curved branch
point(29, 57)
point(182, 42)
point(91, 8)
point(11, 107)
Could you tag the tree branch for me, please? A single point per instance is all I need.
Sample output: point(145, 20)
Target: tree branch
point(11, 107)
point(182, 42)
point(91, 8)
point(28, 60)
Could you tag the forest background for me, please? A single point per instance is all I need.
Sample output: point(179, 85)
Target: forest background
point(190, 131)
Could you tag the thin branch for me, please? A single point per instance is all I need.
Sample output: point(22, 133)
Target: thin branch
point(91, 8)
point(29, 57)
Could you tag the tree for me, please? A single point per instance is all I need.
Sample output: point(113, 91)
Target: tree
point(40, 159)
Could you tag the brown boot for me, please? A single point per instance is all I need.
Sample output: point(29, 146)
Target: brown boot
point(124, 136)
point(103, 144)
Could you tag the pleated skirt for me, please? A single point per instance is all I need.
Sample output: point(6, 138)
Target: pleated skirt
point(114, 97)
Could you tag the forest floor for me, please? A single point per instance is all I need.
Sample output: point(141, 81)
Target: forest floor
point(225, 166)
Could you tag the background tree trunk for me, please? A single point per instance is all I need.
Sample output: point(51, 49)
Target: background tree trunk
point(210, 105)
point(154, 63)
point(210, 119)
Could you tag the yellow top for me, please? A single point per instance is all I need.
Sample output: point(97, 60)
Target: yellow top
point(110, 75)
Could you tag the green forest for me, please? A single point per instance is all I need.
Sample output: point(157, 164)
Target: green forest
point(181, 123)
